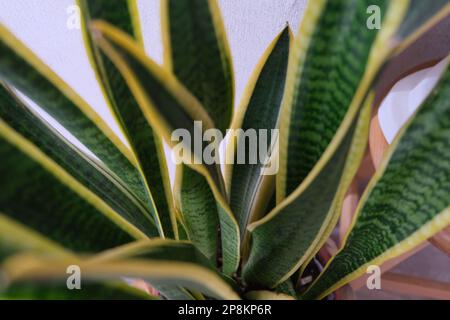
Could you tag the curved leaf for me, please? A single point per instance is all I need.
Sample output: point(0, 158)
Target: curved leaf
point(259, 111)
point(158, 272)
point(196, 50)
point(22, 69)
point(406, 202)
point(146, 145)
point(36, 192)
point(90, 172)
point(168, 106)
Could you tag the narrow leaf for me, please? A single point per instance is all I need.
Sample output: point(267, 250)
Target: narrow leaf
point(196, 50)
point(258, 114)
point(146, 145)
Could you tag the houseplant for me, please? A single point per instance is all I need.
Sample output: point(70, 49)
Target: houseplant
point(114, 216)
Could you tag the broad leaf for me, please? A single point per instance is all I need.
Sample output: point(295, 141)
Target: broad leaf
point(20, 68)
point(90, 172)
point(196, 50)
point(146, 145)
point(168, 106)
point(258, 113)
point(406, 202)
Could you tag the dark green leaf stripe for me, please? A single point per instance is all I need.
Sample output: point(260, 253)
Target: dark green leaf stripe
point(20, 68)
point(324, 87)
point(39, 194)
point(196, 49)
point(406, 202)
point(145, 144)
point(89, 172)
point(168, 106)
point(199, 210)
point(259, 111)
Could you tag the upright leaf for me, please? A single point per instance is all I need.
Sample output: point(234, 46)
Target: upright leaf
point(406, 202)
point(146, 145)
point(196, 49)
point(258, 115)
point(20, 68)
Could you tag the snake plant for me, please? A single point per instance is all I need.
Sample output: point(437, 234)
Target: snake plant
point(217, 233)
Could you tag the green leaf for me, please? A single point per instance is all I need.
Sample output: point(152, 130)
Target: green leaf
point(20, 68)
point(406, 202)
point(146, 145)
point(38, 193)
point(308, 214)
point(259, 110)
point(321, 90)
point(196, 50)
point(199, 210)
point(168, 106)
point(90, 172)
point(160, 262)
point(304, 216)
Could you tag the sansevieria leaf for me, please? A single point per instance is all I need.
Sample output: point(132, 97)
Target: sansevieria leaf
point(406, 202)
point(310, 211)
point(90, 172)
point(199, 210)
point(328, 73)
point(258, 114)
point(153, 262)
point(39, 194)
point(196, 50)
point(22, 69)
point(146, 145)
point(168, 106)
